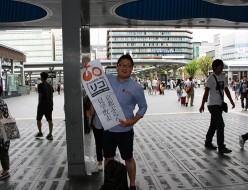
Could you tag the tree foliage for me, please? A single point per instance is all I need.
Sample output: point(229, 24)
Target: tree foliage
point(191, 68)
point(205, 64)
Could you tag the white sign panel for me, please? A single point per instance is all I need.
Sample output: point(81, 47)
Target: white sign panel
point(101, 94)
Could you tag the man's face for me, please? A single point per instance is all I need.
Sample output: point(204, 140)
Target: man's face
point(219, 69)
point(124, 68)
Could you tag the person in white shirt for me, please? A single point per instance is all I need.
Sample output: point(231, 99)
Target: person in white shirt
point(149, 86)
point(199, 83)
point(191, 93)
point(154, 86)
point(213, 96)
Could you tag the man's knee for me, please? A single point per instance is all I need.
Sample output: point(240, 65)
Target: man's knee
point(131, 160)
point(106, 160)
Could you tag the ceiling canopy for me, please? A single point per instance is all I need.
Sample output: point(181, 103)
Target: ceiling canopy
point(128, 13)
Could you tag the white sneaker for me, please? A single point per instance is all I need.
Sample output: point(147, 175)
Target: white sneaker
point(241, 141)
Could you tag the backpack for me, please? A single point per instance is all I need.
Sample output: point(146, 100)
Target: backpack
point(115, 176)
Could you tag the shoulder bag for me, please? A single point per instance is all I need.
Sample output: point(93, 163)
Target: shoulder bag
point(9, 129)
point(224, 104)
point(188, 88)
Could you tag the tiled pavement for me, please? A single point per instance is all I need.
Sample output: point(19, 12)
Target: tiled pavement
point(168, 149)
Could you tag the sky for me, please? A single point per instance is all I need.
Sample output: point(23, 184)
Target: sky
point(98, 36)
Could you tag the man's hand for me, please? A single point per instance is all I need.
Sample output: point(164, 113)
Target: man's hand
point(201, 109)
point(127, 123)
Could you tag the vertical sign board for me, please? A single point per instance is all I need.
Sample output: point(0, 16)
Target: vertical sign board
point(101, 94)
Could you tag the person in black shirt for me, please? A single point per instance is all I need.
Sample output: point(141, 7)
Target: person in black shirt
point(45, 105)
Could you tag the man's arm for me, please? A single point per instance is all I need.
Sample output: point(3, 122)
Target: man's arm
point(229, 96)
point(129, 122)
point(204, 99)
point(141, 101)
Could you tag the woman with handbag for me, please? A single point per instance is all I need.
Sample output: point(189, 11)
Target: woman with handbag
point(215, 85)
point(98, 134)
point(4, 145)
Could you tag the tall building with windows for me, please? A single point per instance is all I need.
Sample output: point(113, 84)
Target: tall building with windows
point(150, 44)
point(235, 46)
point(196, 47)
point(39, 45)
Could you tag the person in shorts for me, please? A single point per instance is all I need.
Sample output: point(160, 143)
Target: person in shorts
point(45, 105)
point(129, 94)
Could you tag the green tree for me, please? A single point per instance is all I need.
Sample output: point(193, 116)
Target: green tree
point(205, 64)
point(191, 68)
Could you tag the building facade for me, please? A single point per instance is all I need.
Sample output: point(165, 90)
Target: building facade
point(39, 45)
point(150, 44)
point(235, 46)
point(163, 49)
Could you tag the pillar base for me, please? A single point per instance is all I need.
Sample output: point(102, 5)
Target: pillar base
point(76, 170)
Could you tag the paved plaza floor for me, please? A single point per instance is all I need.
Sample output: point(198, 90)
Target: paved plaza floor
point(168, 149)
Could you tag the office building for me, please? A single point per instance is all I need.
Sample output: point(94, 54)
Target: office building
point(150, 44)
point(39, 45)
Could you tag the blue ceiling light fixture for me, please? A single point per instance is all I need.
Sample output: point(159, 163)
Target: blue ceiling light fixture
point(167, 10)
point(15, 11)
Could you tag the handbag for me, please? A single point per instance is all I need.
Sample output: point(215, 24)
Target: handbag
point(9, 128)
point(188, 88)
point(224, 105)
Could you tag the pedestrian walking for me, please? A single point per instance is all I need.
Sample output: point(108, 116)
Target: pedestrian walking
point(45, 105)
point(179, 89)
point(242, 139)
point(4, 145)
point(215, 86)
point(243, 93)
point(191, 93)
point(58, 87)
point(236, 89)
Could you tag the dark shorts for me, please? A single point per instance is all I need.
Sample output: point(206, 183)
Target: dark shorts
point(46, 112)
point(124, 142)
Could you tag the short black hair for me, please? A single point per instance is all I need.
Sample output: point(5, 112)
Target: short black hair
point(126, 56)
point(85, 58)
point(44, 75)
point(217, 63)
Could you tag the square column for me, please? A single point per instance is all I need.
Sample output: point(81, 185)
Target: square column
point(71, 22)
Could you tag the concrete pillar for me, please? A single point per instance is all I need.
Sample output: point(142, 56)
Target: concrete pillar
point(85, 40)
point(1, 61)
point(72, 87)
point(22, 74)
point(12, 66)
point(30, 75)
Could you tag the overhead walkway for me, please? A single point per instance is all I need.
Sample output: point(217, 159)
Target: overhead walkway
point(168, 148)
